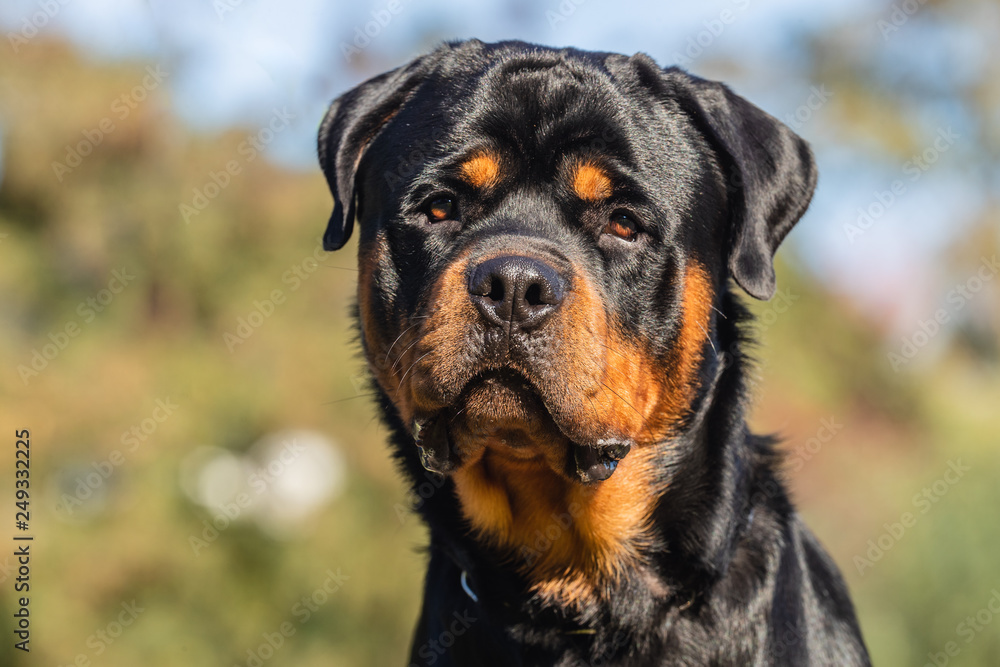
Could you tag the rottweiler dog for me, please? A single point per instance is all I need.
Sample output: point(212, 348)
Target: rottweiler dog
point(546, 242)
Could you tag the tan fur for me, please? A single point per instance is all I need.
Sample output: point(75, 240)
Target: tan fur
point(590, 182)
point(481, 170)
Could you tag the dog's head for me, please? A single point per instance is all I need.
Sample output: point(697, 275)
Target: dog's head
point(544, 235)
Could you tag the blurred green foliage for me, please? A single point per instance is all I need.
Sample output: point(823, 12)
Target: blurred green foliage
point(63, 235)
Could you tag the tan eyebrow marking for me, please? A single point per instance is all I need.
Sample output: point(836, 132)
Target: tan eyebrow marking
point(590, 182)
point(481, 170)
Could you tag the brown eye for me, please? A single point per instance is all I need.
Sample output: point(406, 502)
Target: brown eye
point(622, 226)
point(441, 209)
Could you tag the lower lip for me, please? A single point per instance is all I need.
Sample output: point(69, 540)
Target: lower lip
point(502, 450)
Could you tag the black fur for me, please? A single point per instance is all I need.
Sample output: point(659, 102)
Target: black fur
point(734, 577)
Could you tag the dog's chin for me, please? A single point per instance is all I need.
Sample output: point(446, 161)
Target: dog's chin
point(502, 410)
point(499, 416)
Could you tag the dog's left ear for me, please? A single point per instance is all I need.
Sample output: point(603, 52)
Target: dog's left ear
point(770, 175)
point(353, 120)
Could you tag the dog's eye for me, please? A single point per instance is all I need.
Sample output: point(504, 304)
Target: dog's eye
point(442, 208)
point(623, 226)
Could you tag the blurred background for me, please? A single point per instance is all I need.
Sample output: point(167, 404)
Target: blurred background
point(210, 485)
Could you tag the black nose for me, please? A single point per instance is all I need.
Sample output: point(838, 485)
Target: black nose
point(520, 290)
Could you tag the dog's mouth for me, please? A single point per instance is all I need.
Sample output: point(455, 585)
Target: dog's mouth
point(501, 416)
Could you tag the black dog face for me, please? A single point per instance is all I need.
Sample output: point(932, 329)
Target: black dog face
point(544, 239)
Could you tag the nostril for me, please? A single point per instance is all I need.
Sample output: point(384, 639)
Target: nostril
point(497, 291)
point(533, 295)
point(515, 290)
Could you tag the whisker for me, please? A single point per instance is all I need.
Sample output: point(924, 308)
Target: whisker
point(384, 361)
point(596, 413)
point(402, 354)
point(349, 398)
point(710, 341)
point(625, 401)
point(454, 416)
point(410, 369)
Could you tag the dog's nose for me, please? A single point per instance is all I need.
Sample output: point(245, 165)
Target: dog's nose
point(520, 290)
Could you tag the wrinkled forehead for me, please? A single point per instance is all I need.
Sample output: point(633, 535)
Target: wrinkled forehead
point(537, 106)
point(543, 108)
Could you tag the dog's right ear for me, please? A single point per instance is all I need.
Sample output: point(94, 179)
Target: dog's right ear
point(771, 174)
point(352, 122)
